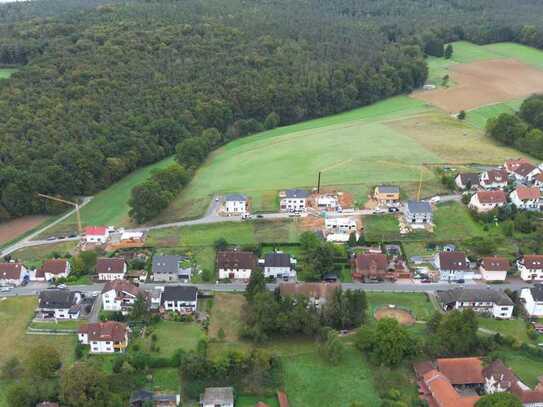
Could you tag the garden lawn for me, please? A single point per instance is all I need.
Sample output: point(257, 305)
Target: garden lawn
point(7, 72)
point(381, 228)
point(35, 256)
point(226, 315)
point(453, 222)
point(311, 381)
point(527, 368)
point(250, 401)
point(165, 379)
point(515, 328)
point(418, 304)
point(175, 335)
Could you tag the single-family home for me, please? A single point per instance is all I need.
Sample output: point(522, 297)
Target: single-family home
point(328, 202)
point(104, 337)
point(293, 200)
point(110, 269)
point(171, 268)
point(341, 225)
point(531, 267)
point(453, 266)
point(235, 264)
point(481, 300)
point(494, 268)
point(59, 303)
point(278, 265)
point(317, 293)
point(217, 397)
point(527, 198)
point(235, 204)
point(387, 195)
point(179, 298)
point(418, 212)
point(120, 295)
point(499, 378)
point(467, 180)
point(371, 266)
point(525, 173)
point(13, 273)
point(494, 179)
point(143, 398)
point(96, 234)
point(512, 164)
point(485, 201)
point(532, 300)
point(53, 269)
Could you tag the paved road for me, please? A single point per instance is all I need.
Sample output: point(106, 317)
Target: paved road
point(28, 242)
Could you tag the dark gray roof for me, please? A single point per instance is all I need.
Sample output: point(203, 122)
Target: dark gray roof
point(179, 293)
point(296, 193)
point(473, 295)
point(537, 292)
point(167, 264)
point(470, 177)
point(235, 197)
point(218, 395)
point(419, 207)
point(55, 298)
point(277, 260)
point(388, 189)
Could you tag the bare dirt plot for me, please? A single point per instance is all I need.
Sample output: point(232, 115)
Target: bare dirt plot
point(16, 227)
point(402, 316)
point(483, 83)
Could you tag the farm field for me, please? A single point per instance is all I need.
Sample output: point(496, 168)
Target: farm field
point(15, 228)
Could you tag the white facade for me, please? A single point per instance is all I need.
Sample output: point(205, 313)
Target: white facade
point(293, 204)
point(491, 308)
point(234, 274)
point(109, 276)
point(183, 307)
point(492, 275)
point(340, 225)
point(14, 278)
point(235, 207)
point(113, 302)
point(482, 207)
point(329, 202)
point(51, 276)
point(533, 307)
point(64, 313)
point(527, 204)
point(99, 346)
point(530, 274)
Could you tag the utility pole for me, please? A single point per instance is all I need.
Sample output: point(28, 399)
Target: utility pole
point(74, 204)
point(420, 183)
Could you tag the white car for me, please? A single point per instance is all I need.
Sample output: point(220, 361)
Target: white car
point(5, 289)
point(435, 199)
point(61, 286)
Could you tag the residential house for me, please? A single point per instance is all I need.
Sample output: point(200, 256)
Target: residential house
point(485, 201)
point(418, 212)
point(527, 198)
point(372, 266)
point(236, 204)
point(143, 398)
point(387, 195)
point(317, 293)
point(481, 300)
point(525, 173)
point(120, 295)
point(494, 179)
point(12, 273)
point(512, 164)
point(339, 229)
point(499, 378)
point(328, 202)
point(293, 200)
point(179, 298)
point(171, 268)
point(104, 337)
point(494, 268)
point(235, 264)
point(538, 181)
point(467, 180)
point(96, 234)
point(111, 269)
point(279, 265)
point(531, 267)
point(217, 397)
point(532, 300)
point(53, 269)
point(453, 266)
point(59, 303)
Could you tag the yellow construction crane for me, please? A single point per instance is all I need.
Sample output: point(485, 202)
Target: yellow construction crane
point(74, 204)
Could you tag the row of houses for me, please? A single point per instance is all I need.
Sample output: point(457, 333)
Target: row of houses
point(523, 198)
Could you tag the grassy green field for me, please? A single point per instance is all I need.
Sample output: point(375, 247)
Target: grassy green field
point(250, 401)
point(515, 328)
point(527, 368)
point(478, 117)
point(7, 72)
point(418, 304)
point(34, 256)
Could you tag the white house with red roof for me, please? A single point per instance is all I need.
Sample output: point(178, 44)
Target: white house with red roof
point(527, 198)
point(12, 273)
point(104, 337)
point(485, 201)
point(111, 269)
point(96, 234)
point(525, 172)
point(494, 268)
point(512, 164)
point(531, 267)
point(53, 269)
point(494, 179)
point(120, 295)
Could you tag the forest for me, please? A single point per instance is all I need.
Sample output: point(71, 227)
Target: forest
point(105, 87)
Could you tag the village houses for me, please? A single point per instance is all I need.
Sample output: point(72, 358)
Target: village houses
point(387, 195)
point(53, 269)
point(111, 269)
point(338, 230)
point(418, 212)
point(278, 265)
point(13, 273)
point(485, 201)
point(171, 268)
point(531, 267)
point(532, 300)
point(120, 295)
point(524, 172)
point(494, 268)
point(293, 200)
point(467, 180)
point(235, 204)
point(59, 304)
point(526, 198)
point(481, 300)
point(494, 179)
point(182, 299)
point(453, 266)
point(104, 337)
point(235, 264)
point(96, 234)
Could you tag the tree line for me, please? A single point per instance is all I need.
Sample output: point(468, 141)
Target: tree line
point(106, 87)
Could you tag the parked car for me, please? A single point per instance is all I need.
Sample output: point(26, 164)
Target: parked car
point(5, 289)
point(259, 216)
point(393, 210)
point(426, 280)
point(51, 238)
point(61, 286)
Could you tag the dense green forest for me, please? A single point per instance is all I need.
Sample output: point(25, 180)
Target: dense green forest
point(109, 86)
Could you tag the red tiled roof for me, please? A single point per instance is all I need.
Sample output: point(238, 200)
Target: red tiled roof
point(528, 193)
point(443, 393)
point(496, 176)
point(235, 259)
point(533, 261)
point(10, 271)
point(95, 230)
point(524, 169)
point(105, 331)
point(376, 262)
point(462, 370)
point(54, 266)
point(491, 197)
point(122, 285)
point(115, 265)
point(495, 263)
point(513, 164)
point(452, 261)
